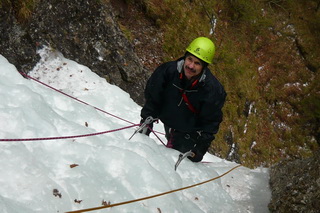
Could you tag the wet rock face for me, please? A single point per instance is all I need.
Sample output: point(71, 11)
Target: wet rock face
point(295, 186)
point(84, 31)
point(15, 42)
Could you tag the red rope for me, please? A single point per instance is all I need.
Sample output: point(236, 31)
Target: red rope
point(66, 137)
point(81, 101)
point(154, 132)
point(76, 136)
point(73, 97)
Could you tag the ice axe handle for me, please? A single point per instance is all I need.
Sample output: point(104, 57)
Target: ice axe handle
point(148, 120)
point(183, 156)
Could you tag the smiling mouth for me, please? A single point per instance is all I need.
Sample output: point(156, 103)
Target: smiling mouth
point(190, 70)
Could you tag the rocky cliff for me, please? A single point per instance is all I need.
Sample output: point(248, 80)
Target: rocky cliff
point(296, 186)
point(88, 32)
point(84, 31)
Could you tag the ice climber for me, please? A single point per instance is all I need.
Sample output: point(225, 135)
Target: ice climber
point(187, 98)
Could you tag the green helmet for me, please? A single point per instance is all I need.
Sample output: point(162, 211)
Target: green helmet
point(203, 48)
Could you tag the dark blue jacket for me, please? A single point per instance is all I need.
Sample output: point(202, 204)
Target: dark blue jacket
point(163, 94)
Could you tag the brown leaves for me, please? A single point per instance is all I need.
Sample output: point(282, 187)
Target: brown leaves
point(105, 203)
point(77, 201)
point(56, 193)
point(74, 165)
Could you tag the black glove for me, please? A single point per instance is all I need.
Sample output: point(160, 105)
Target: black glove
point(146, 124)
point(202, 143)
point(197, 142)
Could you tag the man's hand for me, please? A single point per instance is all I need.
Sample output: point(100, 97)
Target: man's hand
point(197, 156)
point(203, 142)
point(189, 154)
point(146, 125)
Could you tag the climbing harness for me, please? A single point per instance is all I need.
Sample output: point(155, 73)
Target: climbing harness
point(188, 103)
point(185, 97)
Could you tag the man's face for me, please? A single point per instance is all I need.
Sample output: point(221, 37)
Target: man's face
point(192, 66)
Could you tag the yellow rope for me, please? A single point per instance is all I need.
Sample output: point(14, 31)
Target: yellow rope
point(153, 196)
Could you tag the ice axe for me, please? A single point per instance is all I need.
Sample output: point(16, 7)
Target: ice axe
point(148, 121)
point(183, 156)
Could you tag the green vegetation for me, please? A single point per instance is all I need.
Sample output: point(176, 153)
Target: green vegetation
point(267, 58)
point(22, 8)
point(267, 61)
point(126, 32)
